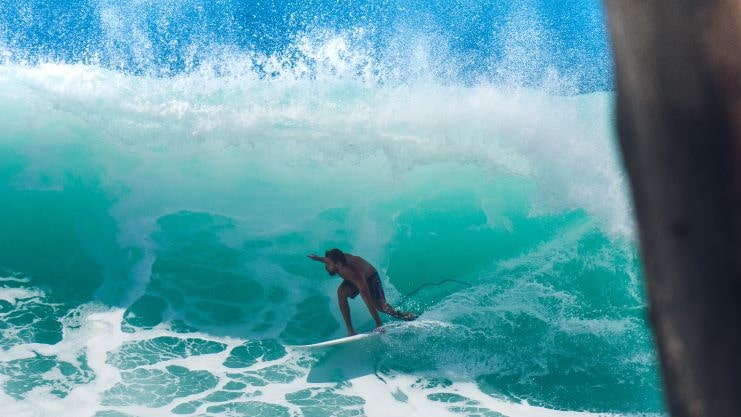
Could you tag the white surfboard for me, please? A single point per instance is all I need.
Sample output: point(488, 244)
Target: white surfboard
point(388, 329)
point(335, 342)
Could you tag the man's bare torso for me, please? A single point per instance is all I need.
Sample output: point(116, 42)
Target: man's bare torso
point(360, 265)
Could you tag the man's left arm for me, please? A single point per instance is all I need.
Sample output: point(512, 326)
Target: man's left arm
point(317, 258)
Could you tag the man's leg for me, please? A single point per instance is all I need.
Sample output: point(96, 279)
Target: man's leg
point(379, 298)
point(383, 306)
point(343, 292)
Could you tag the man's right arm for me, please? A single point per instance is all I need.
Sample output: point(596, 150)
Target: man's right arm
point(318, 258)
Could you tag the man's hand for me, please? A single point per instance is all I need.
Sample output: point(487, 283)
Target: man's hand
point(316, 258)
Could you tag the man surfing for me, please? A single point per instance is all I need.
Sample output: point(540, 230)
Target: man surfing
point(358, 277)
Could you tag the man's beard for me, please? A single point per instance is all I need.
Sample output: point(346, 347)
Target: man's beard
point(332, 273)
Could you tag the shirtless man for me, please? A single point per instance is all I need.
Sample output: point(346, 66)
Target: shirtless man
point(358, 277)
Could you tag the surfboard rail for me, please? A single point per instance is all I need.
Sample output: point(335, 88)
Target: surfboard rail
point(335, 342)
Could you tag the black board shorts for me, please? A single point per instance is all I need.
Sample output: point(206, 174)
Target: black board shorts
point(374, 285)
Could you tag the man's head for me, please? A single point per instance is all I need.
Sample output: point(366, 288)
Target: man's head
point(335, 261)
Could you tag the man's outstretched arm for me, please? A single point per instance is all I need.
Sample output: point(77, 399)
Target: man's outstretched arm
point(317, 258)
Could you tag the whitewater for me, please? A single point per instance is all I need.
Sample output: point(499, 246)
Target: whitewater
point(166, 168)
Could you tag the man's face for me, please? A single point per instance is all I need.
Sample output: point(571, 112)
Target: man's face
point(332, 268)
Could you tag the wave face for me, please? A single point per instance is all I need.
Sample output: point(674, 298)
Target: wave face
point(165, 168)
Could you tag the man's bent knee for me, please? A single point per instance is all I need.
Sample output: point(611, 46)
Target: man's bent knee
point(342, 292)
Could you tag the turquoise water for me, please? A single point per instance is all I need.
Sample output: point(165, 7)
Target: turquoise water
point(156, 218)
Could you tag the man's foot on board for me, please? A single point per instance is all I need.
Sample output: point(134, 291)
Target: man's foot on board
point(408, 316)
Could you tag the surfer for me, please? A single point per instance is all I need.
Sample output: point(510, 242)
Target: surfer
point(358, 277)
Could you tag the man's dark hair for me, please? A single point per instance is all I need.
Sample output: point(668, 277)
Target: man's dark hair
point(336, 256)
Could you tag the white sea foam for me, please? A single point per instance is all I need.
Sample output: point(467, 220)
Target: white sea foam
point(12, 295)
point(228, 125)
point(386, 395)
